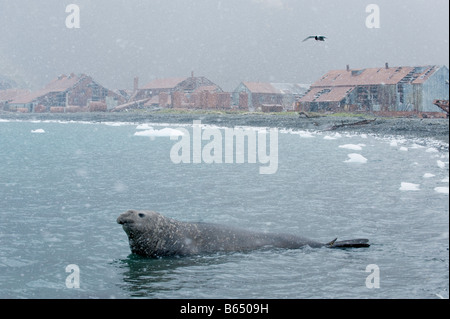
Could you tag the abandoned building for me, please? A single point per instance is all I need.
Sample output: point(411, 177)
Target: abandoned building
point(8, 95)
point(187, 92)
point(387, 89)
point(170, 85)
point(268, 97)
point(73, 93)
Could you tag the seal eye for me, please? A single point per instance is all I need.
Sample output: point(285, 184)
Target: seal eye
point(141, 215)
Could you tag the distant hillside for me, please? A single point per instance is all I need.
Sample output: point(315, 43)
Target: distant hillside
point(7, 83)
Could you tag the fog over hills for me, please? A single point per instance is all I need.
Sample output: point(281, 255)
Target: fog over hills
point(227, 41)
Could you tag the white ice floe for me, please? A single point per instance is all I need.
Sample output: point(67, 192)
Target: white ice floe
point(353, 147)
point(441, 164)
point(144, 127)
point(409, 187)
point(334, 136)
point(442, 190)
point(305, 134)
point(158, 133)
point(403, 149)
point(428, 175)
point(116, 123)
point(38, 131)
point(445, 180)
point(416, 146)
point(356, 158)
point(431, 150)
point(396, 142)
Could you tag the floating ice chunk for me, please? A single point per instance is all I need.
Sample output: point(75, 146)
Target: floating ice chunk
point(428, 175)
point(351, 147)
point(441, 164)
point(144, 127)
point(363, 135)
point(356, 158)
point(157, 133)
point(305, 134)
point(116, 123)
point(416, 146)
point(431, 150)
point(442, 190)
point(445, 180)
point(409, 187)
point(38, 131)
point(332, 137)
point(396, 142)
point(393, 143)
point(404, 149)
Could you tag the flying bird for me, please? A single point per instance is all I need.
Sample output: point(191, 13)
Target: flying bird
point(316, 37)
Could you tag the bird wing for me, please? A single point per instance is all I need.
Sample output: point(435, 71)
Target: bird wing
point(310, 37)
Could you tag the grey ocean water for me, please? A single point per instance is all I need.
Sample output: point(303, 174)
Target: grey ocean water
point(61, 191)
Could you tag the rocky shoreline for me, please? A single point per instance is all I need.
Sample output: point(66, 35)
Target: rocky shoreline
point(437, 129)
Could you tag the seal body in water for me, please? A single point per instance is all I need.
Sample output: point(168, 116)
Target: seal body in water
point(154, 235)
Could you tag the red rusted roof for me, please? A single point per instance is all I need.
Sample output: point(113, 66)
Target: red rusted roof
point(11, 94)
point(60, 84)
point(27, 97)
point(425, 74)
point(259, 87)
point(63, 83)
point(168, 83)
point(330, 94)
point(376, 76)
point(373, 76)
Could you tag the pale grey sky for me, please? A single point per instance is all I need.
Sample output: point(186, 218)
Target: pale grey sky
point(228, 41)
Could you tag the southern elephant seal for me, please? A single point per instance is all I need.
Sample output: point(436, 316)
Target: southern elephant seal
point(154, 235)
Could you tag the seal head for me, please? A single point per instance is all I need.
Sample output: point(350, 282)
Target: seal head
point(152, 234)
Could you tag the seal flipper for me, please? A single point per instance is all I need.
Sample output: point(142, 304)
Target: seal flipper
point(331, 243)
point(351, 243)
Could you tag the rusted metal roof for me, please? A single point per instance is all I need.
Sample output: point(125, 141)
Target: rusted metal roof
point(60, 84)
point(331, 94)
point(63, 83)
point(167, 83)
point(27, 97)
point(259, 87)
point(374, 76)
point(425, 74)
point(11, 94)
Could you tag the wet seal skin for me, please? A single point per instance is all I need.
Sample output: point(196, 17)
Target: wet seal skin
point(151, 234)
